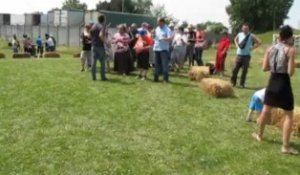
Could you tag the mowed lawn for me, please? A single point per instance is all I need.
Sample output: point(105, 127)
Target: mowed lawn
point(54, 120)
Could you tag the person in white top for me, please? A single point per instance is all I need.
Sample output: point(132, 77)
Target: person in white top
point(179, 49)
point(50, 46)
point(15, 44)
point(256, 104)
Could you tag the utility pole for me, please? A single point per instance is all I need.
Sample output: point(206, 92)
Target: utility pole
point(123, 5)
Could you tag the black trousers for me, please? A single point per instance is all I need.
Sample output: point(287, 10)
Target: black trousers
point(242, 61)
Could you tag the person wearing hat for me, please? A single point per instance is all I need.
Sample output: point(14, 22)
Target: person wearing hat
point(142, 49)
point(190, 54)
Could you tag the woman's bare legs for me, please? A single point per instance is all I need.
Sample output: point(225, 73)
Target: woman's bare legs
point(287, 129)
point(263, 121)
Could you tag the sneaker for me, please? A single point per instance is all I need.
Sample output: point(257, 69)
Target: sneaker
point(143, 78)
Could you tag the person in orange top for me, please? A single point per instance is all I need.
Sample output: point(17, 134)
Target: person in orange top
point(222, 49)
point(142, 49)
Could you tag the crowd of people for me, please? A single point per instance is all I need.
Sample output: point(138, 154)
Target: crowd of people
point(166, 47)
point(34, 49)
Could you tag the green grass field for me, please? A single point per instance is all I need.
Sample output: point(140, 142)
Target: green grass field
point(54, 120)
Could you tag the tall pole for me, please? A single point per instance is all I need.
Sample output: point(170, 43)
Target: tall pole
point(123, 6)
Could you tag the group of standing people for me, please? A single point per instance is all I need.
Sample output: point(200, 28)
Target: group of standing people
point(36, 49)
point(170, 48)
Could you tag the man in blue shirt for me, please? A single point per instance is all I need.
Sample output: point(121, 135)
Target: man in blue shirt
point(245, 42)
point(163, 38)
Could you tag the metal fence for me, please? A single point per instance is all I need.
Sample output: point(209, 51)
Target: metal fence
point(68, 36)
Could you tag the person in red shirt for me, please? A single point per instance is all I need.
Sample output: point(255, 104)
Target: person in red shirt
point(222, 49)
point(142, 49)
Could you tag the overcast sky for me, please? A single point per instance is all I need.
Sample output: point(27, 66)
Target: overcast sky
point(192, 10)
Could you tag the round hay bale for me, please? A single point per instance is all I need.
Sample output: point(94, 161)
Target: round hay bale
point(77, 55)
point(21, 55)
point(277, 119)
point(297, 64)
point(296, 124)
point(51, 55)
point(197, 73)
point(2, 56)
point(217, 87)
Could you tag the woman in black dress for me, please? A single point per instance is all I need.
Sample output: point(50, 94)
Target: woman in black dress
point(280, 61)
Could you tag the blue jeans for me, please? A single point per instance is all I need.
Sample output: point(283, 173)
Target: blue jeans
point(198, 56)
point(161, 65)
point(98, 54)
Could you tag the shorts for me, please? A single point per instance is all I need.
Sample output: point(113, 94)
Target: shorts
point(256, 104)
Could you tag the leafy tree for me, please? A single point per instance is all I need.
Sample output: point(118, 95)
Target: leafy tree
point(159, 10)
point(103, 5)
point(130, 6)
point(184, 24)
point(74, 5)
point(262, 15)
point(215, 27)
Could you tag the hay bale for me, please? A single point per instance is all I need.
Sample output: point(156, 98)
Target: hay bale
point(277, 119)
point(77, 55)
point(197, 73)
point(51, 55)
point(297, 64)
point(21, 55)
point(2, 56)
point(217, 87)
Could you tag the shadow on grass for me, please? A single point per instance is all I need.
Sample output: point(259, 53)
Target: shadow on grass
point(251, 88)
point(277, 142)
point(182, 84)
point(119, 81)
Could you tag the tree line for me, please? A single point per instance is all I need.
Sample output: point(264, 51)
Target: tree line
point(262, 15)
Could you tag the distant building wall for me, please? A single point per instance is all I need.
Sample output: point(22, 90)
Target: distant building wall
point(65, 26)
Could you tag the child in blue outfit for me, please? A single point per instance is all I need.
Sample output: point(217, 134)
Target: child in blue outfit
point(40, 46)
point(256, 104)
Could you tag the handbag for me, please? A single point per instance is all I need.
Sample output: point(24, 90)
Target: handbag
point(243, 44)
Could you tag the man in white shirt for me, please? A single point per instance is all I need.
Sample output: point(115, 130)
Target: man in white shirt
point(50, 46)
